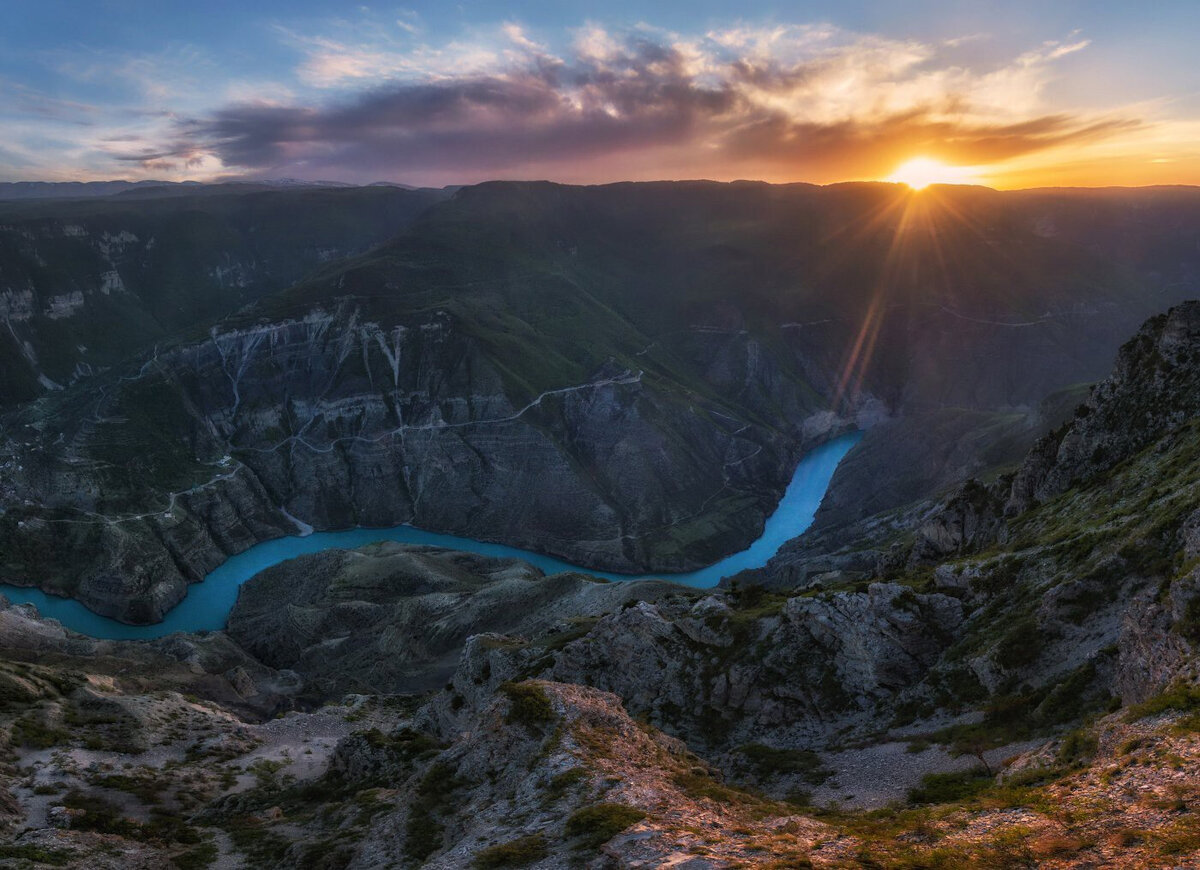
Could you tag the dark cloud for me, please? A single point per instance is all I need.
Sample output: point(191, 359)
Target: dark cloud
point(641, 96)
point(783, 140)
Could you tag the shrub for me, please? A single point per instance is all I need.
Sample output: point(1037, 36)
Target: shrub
point(204, 855)
point(406, 744)
point(327, 854)
point(768, 761)
point(1188, 626)
point(517, 853)
point(529, 705)
point(595, 825)
point(424, 832)
point(1182, 838)
point(100, 815)
point(1179, 697)
point(563, 782)
point(253, 839)
point(1077, 748)
point(1021, 646)
point(701, 786)
point(36, 855)
point(143, 788)
point(945, 788)
point(1059, 846)
point(34, 733)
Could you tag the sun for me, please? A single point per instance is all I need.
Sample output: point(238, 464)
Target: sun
point(920, 172)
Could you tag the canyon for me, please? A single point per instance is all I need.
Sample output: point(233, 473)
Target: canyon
point(982, 652)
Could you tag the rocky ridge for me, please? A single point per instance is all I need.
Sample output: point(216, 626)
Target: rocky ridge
point(531, 773)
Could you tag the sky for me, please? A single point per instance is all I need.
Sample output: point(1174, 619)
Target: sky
point(1015, 94)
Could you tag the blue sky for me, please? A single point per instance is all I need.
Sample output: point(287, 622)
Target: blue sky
point(1018, 93)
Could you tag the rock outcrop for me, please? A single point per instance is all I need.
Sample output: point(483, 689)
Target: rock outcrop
point(784, 671)
point(391, 619)
point(1153, 390)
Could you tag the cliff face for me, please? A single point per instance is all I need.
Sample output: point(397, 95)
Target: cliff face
point(130, 755)
point(722, 674)
point(1079, 567)
point(598, 721)
point(1154, 389)
point(83, 285)
point(622, 376)
point(719, 671)
point(122, 496)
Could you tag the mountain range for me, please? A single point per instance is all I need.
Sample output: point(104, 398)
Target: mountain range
point(983, 652)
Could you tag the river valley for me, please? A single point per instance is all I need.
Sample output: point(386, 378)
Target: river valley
point(208, 604)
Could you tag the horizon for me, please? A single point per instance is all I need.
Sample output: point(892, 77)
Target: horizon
point(382, 182)
point(435, 97)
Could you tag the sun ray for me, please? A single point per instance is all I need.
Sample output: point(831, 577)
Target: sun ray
point(920, 172)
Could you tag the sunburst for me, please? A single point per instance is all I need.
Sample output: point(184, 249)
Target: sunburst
point(920, 172)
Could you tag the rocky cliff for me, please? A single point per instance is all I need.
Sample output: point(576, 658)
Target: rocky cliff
point(986, 668)
point(121, 755)
point(642, 364)
point(1079, 566)
point(121, 497)
point(86, 284)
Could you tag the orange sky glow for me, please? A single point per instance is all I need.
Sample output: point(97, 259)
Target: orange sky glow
point(367, 97)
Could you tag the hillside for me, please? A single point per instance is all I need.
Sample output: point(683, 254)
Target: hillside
point(86, 284)
point(644, 363)
point(1006, 677)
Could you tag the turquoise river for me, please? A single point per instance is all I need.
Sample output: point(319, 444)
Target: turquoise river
point(207, 604)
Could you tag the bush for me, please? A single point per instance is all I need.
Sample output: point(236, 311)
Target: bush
point(529, 705)
point(562, 783)
point(595, 825)
point(946, 788)
point(405, 744)
point(424, 832)
point(204, 855)
point(1188, 626)
point(1077, 747)
point(767, 761)
point(100, 815)
point(1179, 697)
point(517, 853)
point(31, 731)
point(36, 855)
point(1021, 646)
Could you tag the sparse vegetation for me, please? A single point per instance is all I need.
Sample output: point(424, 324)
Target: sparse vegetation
point(1077, 748)
point(1188, 625)
point(564, 782)
point(515, 853)
point(197, 858)
point(35, 855)
point(424, 831)
point(34, 731)
point(944, 788)
point(1021, 645)
point(529, 705)
point(595, 825)
point(767, 762)
point(1180, 697)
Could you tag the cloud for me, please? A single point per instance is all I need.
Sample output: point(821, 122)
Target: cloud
point(19, 99)
point(809, 101)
